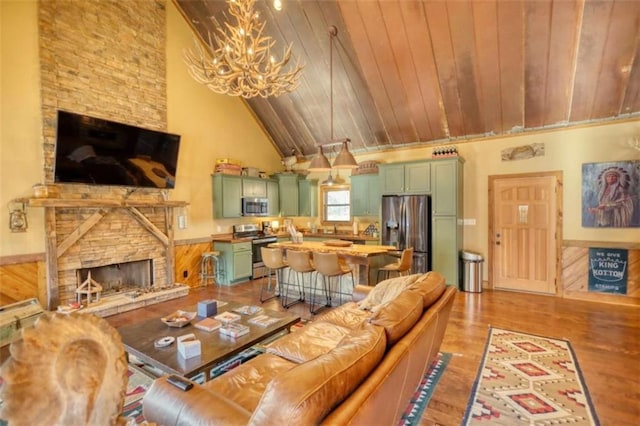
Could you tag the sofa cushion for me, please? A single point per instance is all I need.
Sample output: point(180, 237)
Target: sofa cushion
point(313, 340)
point(398, 316)
point(348, 315)
point(430, 286)
point(305, 394)
point(385, 291)
point(246, 383)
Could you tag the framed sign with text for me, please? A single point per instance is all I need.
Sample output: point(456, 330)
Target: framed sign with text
point(608, 271)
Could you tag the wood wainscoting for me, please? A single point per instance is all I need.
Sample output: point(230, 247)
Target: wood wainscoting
point(22, 277)
point(188, 256)
point(575, 272)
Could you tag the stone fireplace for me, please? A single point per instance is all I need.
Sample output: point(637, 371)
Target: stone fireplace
point(126, 244)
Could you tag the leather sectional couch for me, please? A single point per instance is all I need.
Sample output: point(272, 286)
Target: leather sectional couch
point(359, 363)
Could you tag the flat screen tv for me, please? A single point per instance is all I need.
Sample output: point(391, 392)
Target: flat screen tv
point(93, 150)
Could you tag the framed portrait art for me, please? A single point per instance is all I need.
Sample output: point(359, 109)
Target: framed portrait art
point(611, 194)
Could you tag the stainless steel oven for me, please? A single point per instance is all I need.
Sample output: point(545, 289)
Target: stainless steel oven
point(256, 245)
point(258, 240)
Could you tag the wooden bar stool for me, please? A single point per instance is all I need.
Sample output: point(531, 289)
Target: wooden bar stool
point(329, 266)
point(211, 268)
point(300, 263)
point(401, 266)
point(273, 262)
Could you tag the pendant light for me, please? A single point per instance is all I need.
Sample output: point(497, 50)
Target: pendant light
point(319, 163)
point(345, 159)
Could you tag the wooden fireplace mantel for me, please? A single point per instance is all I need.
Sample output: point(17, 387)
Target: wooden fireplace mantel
point(88, 203)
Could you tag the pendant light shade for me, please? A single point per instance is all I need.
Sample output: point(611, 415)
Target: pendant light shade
point(319, 163)
point(329, 180)
point(345, 159)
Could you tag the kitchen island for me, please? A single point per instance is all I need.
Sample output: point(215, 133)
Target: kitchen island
point(362, 257)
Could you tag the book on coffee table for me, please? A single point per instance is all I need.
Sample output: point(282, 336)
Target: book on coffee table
point(208, 324)
point(234, 329)
point(248, 309)
point(263, 320)
point(227, 317)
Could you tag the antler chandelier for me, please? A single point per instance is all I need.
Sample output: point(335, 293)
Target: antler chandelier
point(238, 61)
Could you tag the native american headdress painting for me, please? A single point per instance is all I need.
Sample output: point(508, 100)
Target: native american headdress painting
point(611, 194)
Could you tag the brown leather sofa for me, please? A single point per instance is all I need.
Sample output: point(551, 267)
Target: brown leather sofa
point(349, 366)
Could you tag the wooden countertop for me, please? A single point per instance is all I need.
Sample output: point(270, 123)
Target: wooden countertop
point(228, 238)
point(338, 236)
point(358, 250)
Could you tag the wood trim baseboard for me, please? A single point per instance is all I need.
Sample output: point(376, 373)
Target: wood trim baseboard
point(601, 244)
point(21, 258)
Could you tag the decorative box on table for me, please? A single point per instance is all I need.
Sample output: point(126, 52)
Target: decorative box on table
point(188, 345)
point(207, 308)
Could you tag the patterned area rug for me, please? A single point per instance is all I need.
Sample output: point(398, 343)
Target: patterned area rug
point(526, 380)
point(421, 398)
point(139, 383)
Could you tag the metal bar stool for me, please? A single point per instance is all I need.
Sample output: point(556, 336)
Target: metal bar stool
point(401, 266)
point(273, 261)
point(211, 268)
point(329, 266)
point(300, 263)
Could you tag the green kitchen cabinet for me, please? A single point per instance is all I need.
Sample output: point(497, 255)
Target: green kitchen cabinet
point(446, 217)
point(254, 187)
point(288, 189)
point(298, 197)
point(273, 197)
point(405, 178)
point(308, 197)
point(238, 264)
point(227, 196)
point(446, 244)
point(365, 195)
point(446, 195)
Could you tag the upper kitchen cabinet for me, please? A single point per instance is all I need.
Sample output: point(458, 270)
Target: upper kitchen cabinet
point(298, 197)
point(227, 196)
point(446, 195)
point(405, 178)
point(273, 197)
point(308, 197)
point(365, 195)
point(228, 191)
point(254, 187)
point(288, 188)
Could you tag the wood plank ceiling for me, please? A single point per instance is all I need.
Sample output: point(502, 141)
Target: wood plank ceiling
point(412, 72)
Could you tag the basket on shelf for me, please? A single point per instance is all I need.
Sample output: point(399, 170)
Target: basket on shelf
point(366, 167)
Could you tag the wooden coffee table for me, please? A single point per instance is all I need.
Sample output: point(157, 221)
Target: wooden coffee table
point(139, 341)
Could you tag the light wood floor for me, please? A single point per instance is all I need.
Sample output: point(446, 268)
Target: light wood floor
point(605, 339)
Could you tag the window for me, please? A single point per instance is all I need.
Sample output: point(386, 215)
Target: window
point(336, 206)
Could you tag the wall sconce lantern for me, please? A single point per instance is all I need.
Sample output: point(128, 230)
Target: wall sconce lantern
point(17, 217)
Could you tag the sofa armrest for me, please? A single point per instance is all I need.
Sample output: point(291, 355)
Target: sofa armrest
point(360, 292)
point(167, 405)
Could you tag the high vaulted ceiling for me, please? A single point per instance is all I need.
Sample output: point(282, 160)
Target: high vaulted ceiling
point(428, 72)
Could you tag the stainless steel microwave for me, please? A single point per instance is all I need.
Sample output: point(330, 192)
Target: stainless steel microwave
point(255, 206)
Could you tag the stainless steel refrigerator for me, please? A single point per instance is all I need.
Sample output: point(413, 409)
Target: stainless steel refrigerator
point(406, 222)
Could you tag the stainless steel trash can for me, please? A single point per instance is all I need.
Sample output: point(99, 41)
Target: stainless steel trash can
point(471, 271)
